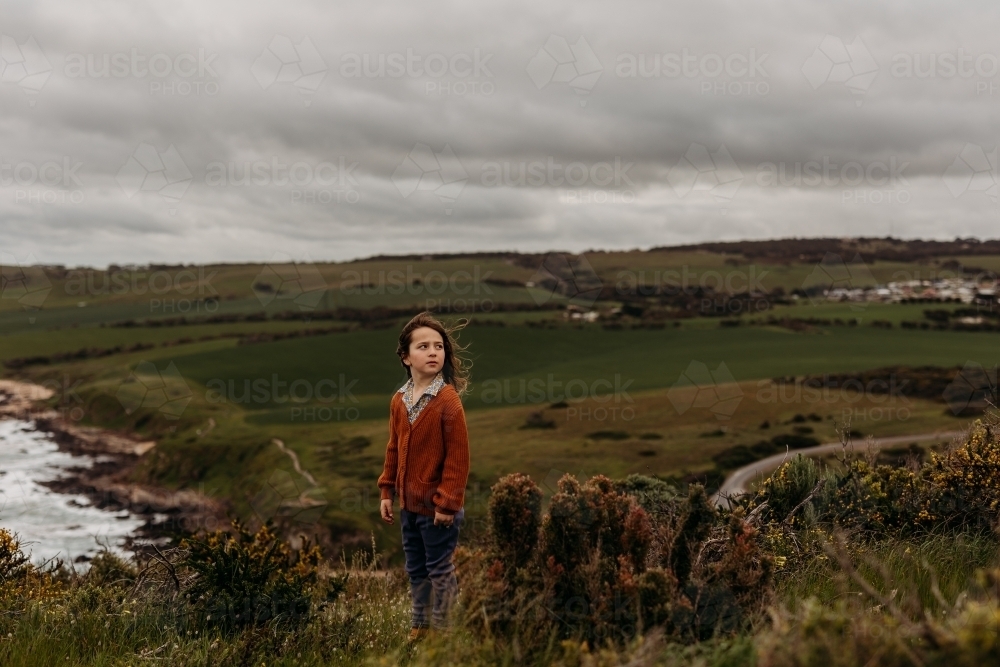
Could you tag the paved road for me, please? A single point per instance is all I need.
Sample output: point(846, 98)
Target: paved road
point(737, 483)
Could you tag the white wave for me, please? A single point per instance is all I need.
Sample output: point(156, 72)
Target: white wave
point(51, 524)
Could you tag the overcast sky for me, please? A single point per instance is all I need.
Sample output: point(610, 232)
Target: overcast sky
point(225, 131)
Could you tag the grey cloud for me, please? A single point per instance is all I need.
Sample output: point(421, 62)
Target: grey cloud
point(776, 116)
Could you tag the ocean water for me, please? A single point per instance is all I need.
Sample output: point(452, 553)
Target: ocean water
point(51, 524)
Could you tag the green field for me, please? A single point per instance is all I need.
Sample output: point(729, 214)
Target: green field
point(339, 435)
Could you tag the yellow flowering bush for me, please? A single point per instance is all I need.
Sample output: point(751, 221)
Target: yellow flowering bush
point(19, 579)
point(961, 487)
point(241, 578)
point(956, 489)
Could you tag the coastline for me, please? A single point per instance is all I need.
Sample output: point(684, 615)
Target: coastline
point(113, 456)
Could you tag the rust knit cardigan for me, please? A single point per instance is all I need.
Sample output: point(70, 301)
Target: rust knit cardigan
point(427, 462)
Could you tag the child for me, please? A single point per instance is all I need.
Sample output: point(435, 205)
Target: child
point(427, 465)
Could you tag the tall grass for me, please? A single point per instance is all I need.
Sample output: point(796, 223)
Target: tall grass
point(814, 583)
point(112, 623)
point(910, 566)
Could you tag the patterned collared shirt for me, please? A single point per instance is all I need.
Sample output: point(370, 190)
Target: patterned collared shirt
point(413, 408)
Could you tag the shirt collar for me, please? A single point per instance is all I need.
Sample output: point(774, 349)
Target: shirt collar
point(432, 389)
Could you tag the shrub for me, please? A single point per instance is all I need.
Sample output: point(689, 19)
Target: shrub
point(734, 457)
point(875, 498)
point(961, 487)
point(107, 569)
point(538, 420)
point(657, 497)
point(698, 521)
point(722, 574)
point(14, 565)
point(789, 485)
point(242, 579)
point(19, 579)
point(955, 490)
point(608, 560)
point(593, 540)
point(514, 514)
point(608, 435)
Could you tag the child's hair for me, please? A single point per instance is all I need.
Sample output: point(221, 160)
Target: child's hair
point(456, 368)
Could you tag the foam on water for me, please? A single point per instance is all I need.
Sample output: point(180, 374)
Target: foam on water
point(49, 523)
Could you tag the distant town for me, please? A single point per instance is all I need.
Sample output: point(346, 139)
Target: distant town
point(956, 290)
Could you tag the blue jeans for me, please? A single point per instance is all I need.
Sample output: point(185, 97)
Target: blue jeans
point(428, 550)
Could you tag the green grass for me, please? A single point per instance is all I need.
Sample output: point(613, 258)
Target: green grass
point(647, 359)
point(444, 280)
point(97, 623)
point(865, 312)
point(28, 344)
point(911, 566)
point(236, 459)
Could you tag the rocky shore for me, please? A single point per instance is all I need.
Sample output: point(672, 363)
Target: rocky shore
point(112, 457)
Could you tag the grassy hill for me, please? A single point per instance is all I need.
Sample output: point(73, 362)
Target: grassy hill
point(331, 329)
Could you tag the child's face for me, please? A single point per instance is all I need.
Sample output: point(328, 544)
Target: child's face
point(426, 355)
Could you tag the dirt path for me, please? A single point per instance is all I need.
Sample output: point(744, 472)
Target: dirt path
point(295, 461)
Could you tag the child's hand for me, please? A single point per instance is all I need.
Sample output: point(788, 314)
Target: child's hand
point(443, 519)
point(386, 510)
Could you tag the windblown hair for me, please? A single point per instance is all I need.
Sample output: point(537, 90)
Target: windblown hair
point(456, 368)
